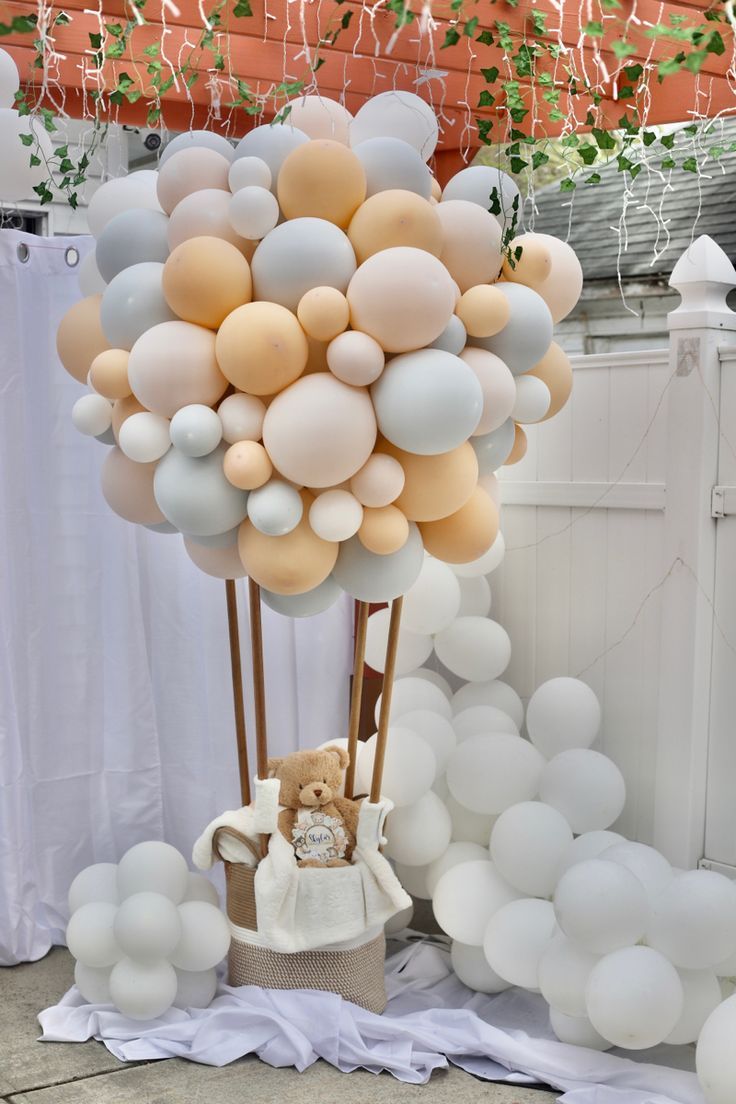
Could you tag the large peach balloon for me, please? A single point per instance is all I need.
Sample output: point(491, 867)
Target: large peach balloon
point(191, 170)
point(322, 179)
point(128, 488)
point(220, 562)
point(402, 297)
point(383, 530)
point(291, 564)
point(395, 218)
point(261, 348)
point(555, 370)
point(174, 364)
point(319, 117)
point(465, 535)
point(79, 337)
point(435, 486)
point(205, 279)
point(319, 432)
point(471, 243)
point(498, 384)
point(561, 288)
point(206, 214)
point(109, 373)
point(122, 409)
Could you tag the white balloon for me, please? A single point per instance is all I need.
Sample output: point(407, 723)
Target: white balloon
point(527, 844)
point(471, 966)
point(410, 694)
point(495, 693)
point(436, 679)
point(418, 834)
point(242, 417)
point(122, 193)
point(432, 603)
point(693, 920)
point(474, 648)
point(413, 878)
point(436, 731)
point(9, 80)
point(145, 437)
point(702, 995)
point(408, 770)
point(413, 649)
point(147, 926)
point(477, 184)
point(93, 982)
point(196, 430)
point(634, 997)
point(271, 144)
point(489, 773)
point(468, 826)
point(200, 888)
point(397, 114)
point(481, 720)
point(143, 991)
point(275, 508)
point(715, 1055)
point(153, 866)
point(466, 897)
point(650, 867)
point(90, 934)
point(588, 846)
point(587, 788)
point(533, 399)
point(475, 597)
point(576, 1030)
point(516, 938)
point(601, 905)
point(95, 883)
point(564, 969)
point(391, 163)
point(320, 117)
point(92, 415)
point(486, 563)
point(202, 139)
point(335, 515)
point(400, 921)
point(195, 989)
point(205, 937)
point(563, 713)
point(247, 172)
point(456, 853)
point(254, 212)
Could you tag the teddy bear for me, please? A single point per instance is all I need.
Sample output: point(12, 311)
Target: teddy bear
point(319, 824)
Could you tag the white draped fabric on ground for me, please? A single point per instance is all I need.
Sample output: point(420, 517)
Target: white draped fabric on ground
point(115, 699)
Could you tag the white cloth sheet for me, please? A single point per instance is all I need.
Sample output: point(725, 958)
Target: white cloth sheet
point(431, 1020)
point(116, 714)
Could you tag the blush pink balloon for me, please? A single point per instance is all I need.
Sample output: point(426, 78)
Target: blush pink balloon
point(128, 488)
point(205, 214)
point(221, 563)
point(497, 383)
point(172, 365)
point(319, 432)
point(379, 482)
point(355, 358)
point(191, 170)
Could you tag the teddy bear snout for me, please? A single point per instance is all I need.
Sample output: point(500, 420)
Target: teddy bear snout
point(316, 795)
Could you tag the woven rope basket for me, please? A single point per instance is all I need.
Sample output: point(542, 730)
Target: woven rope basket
point(355, 973)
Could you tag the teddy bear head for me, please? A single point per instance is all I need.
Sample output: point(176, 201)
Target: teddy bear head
point(309, 778)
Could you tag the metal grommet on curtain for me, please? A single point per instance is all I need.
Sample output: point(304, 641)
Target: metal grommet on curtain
point(72, 256)
point(23, 252)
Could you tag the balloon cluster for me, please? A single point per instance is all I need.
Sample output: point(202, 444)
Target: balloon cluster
point(510, 839)
point(309, 359)
point(146, 933)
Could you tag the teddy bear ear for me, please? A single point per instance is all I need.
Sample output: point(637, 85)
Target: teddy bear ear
point(341, 753)
point(273, 765)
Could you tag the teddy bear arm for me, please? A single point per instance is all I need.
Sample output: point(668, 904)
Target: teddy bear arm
point(287, 820)
point(349, 811)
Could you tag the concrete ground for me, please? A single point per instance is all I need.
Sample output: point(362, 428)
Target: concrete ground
point(86, 1073)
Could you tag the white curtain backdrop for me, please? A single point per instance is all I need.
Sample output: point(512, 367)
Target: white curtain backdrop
point(116, 716)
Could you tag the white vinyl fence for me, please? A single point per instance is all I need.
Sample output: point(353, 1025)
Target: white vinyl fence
point(618, 571)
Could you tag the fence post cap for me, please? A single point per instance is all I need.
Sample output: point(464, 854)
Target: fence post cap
point(704, 277)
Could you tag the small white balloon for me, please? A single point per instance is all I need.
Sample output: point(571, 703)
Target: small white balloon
point(527, 844)
point(147, 926)
point(702, 995)
point(694, 920)
point(145, 437)
point(400, 921)
point(253, 212)
point(588, 846)
point(92, 415)
point(471, 966)
point(95, 883)
point(456, 853)
point(200, 888)
point(586, 787)
point(475, 597)
point(335, 515)
point(414, 693)
point(486, 563)
point(453, 337)
point(474, 648)
point(436, 679)
point(90, 934)
point(481, 720)
point(409, 767)
point(601, 905)
point(649, 866)
point(413, 879)
point(143, 991)
point(563, 713)
point(516, 938)
point(466, 897)
point(634, 997)
point(576, 1030)
point(436, 731)
point(196, 430)
point(413, 649)
point(249, 172)
point(418, 834)
point(715, 1055)
point(495, 693)
point(489, 773)
point(195, 989)
point(205, 937)
point(533, 399)
point(93, 982)
point(275, 508)
point(154, 866)
point(468, 826)
point(241, 416)
point(433, 602)
point(564, 969)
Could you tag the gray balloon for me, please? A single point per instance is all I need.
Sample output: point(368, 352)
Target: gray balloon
point(162, 527)
point(391, 163)
point(453, 337)
point(273, 144)
point(194, 495)
point(275, 508)
point(298, 255)
point(106, 438)
point(493, 449)
point(372, 578)
point(304, 605)
point(192, 138)
point(129, 238)
point(132, 303)
point(527, 335)
point(478, 183)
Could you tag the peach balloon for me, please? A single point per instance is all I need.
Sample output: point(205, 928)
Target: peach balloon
point(221, 563)
point(355, 358)
point(533, 265)
point(379, 481)
point(321, 179)
point(79, 337)
point(261, 348)
point(191, 170)
point(319, 117)
point(436, 189)
point(471, 243)
point(402, 297)
point(109, 374)
point(519, 447)
point(204, 279)
point(498, 384)
point(395, 218)
point(247, 466)
point(435, 486)
point(122, 409)
point(465, 535)
point(206, 214)
point(291, 564)
point(383, 530)
point(555, 370)
point(319, 431)
point(561, 289)
point(323, 313)
point(483, 310)
point(173, 365)
point(128, 488)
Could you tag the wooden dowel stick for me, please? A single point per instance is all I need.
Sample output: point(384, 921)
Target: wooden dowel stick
point(356, 699)
point(237, 679)
point(392, 647)
point(259, 685)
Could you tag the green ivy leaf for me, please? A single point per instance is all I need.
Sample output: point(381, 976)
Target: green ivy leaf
point(242, 9)
point(715, 44)
point(95, 40)
point(151, 50)
point(114, 29)
point(588, 154)
point(603, 139)
point(73, 201)
point(471, 26)
point(27, 139)
point(622, 49)
point(594, 28)
point(633, 72)
point(694, 61)
point(518, 164)
point(690, 165)
point(485, 38)
point(568, 185)
point(594, 178)
point(35, 161)
point(486, 99)
point(115, 50)
point(451, 38)
point(667, 140)
point(668, 163)
point(490, 76)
